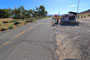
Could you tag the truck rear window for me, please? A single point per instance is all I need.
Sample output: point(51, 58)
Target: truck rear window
point(72, 18)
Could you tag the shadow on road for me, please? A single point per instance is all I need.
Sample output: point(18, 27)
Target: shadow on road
point(70, 59)
point(69, 25)
point(66, 24)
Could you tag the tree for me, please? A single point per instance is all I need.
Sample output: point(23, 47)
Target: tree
point(45, 14)
point(3, 13)
point(22, 12)
point(41, 11)
point(16, 14)
point(28, 13)
point(19, 13)
point(35, 13)
point(10, 12)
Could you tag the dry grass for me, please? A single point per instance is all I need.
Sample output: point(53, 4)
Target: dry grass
point(9, 23)
point(6, 19)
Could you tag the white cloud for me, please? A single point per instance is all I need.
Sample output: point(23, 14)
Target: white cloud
point(72, 5)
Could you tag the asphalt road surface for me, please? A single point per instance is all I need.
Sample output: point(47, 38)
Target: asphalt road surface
point(34, 41)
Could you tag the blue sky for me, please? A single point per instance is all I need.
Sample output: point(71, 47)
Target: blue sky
point(52, 6)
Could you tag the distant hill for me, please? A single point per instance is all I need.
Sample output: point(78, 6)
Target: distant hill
point(50, 15)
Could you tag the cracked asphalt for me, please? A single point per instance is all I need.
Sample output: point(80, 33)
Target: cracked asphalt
point(34, 41)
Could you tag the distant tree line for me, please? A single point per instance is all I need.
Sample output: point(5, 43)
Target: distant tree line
point(21, 12)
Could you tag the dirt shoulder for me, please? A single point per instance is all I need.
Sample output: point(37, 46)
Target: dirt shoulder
point(66, 49)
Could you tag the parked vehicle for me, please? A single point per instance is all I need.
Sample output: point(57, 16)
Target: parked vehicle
point(69, 19)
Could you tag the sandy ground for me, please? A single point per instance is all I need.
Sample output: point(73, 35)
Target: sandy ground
point(72, 40)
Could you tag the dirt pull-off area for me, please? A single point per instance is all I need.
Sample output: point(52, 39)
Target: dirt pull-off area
point(73, 41)
point(66, 49)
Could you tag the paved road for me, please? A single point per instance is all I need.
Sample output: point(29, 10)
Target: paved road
point(31, 42)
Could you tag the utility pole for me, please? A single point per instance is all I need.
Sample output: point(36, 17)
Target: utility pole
point(58, 13)
point(78, 8)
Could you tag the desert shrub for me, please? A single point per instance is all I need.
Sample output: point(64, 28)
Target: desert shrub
point(10, 26)
point(53, 18)
point(29, 21)
point(25, 22)
point(37, 17)
point(16, 23)
point(11, 21)
point(16, 20)
point(6, 22)
point(3, 28)
point(32, 19)
point(17, 16)
point(1, 23)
